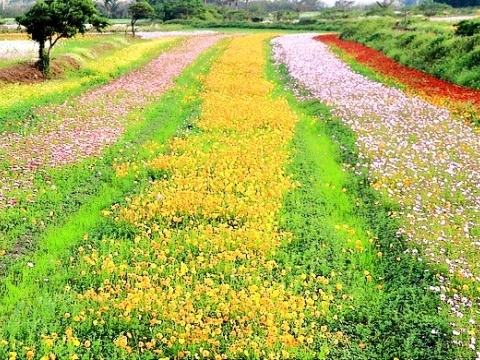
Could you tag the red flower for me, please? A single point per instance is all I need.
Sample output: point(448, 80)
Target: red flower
point(439, 91)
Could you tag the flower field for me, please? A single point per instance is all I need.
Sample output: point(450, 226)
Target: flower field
point(221, 203)
point(67, 133)
point(463, 102)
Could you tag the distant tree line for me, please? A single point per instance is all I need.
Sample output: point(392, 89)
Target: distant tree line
point(460, 3)
point(233, 10)
point(184, 9)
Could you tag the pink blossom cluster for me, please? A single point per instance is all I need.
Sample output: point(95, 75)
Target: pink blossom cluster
point(415, 153)
point(85, 125)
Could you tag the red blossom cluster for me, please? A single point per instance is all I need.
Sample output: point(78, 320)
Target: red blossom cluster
point(415, 80)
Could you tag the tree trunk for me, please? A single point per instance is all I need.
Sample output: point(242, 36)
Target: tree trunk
point(44, 59)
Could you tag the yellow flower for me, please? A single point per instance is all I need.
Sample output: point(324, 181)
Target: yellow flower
point(121, 342)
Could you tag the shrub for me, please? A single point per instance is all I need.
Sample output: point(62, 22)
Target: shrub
point(467, 28)
point(432, 8)
point(285, 15)
point(307, 21)
point(472, 60)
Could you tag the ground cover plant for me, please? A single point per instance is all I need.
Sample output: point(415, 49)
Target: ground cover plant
point(429, 167)
point(461, 101)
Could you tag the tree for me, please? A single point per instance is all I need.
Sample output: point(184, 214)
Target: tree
point(52, 20)
point(110, 7)
point(385, 4)
point(140, 10)
point(183, 9)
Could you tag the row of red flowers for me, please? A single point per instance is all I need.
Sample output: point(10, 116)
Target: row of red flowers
point(433, 89)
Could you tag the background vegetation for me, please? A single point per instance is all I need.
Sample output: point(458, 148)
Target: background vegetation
point(448, 52)
point(303, 12)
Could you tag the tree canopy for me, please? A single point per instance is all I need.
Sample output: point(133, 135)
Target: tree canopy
point(52, 20)
point(140, 10)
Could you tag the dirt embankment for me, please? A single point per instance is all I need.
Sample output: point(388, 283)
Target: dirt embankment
point(28, 73)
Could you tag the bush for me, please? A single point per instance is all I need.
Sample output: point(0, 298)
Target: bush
point(307, 21)
point(285, 15)
point(432, 8)
point(319, 26)
point(472, 60)
point(467, 28)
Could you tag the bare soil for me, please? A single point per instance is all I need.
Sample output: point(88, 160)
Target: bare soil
point(28, 73)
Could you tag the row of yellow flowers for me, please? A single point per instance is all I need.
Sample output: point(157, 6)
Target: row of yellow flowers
point(200, 278)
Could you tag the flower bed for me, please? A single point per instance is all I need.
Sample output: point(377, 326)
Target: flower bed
point(434, 90)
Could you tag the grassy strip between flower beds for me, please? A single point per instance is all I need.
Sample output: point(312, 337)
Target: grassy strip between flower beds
point(343, 232)
point(32, 289)
point(19, 101)
point(365, 70)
